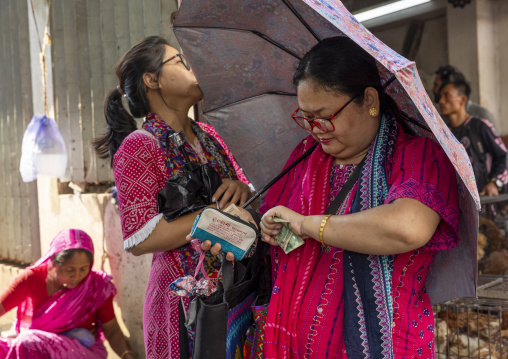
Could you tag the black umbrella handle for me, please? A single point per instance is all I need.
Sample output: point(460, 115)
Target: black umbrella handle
point(280, 175)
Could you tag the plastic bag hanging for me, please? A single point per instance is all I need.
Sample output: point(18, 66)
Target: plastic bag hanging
point(43, 150)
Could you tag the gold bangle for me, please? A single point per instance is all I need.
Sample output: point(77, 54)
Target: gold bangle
point(322, 228)
point(127, 352)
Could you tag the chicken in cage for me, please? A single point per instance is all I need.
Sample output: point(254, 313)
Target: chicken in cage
point(474, 328)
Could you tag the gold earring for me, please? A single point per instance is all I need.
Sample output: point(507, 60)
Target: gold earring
point(373, 111)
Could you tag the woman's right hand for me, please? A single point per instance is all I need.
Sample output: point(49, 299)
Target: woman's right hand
point(270, 228)
point(217, 248)
point(232, 191)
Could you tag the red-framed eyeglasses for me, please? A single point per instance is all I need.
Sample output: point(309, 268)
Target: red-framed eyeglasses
point(325, 124)
point(183, 60)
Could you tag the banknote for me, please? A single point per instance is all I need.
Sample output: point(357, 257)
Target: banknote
point(233, 210)
point(286, 238)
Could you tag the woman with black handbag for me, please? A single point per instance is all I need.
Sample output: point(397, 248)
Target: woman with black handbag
point(159, 85)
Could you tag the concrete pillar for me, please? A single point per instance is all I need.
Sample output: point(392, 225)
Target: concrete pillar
point(473, 48)
point(501, 29)
point(488, 59)
point(463, 42)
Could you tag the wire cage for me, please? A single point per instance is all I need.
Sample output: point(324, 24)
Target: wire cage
point(474, 328)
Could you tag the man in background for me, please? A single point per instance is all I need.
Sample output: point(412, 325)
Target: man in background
point(486, 150)
point(447, 74)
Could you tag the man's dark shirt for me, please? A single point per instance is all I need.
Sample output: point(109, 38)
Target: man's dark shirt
point(486, 150)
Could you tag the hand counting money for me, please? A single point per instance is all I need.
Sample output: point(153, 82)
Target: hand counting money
point(286, 238)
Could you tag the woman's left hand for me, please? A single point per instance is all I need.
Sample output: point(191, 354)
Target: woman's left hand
point(232, 191)
point(270, 228)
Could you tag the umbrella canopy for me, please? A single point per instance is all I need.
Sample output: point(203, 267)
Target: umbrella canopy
point(244, 54)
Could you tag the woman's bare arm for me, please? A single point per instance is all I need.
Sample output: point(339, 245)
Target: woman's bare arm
point(116, 339)
point(401, 226)
point(166, 235)
point(171, 235)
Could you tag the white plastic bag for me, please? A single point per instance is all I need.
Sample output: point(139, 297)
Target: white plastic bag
point(43, 150)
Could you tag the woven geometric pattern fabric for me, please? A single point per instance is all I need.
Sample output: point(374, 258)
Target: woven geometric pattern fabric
point(259, 313)
point(239, 321)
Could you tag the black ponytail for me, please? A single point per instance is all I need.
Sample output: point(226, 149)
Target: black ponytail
point(144, 57)
point(119, 124)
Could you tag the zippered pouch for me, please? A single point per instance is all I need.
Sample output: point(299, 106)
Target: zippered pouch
point(234, 234)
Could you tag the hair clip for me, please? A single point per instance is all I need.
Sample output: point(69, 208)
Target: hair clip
point(121, 91)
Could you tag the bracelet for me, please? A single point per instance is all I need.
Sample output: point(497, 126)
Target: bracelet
point(322, 228)
point(127, 352)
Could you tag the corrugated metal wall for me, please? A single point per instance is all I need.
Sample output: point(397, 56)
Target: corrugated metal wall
point(19, 220)
point(87, 39)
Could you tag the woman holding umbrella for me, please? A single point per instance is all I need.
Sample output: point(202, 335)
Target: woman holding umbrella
point(159, 85)
point(356, 289)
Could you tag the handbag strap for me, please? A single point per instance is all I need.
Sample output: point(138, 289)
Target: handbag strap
point(228, 276)
point(334, 206)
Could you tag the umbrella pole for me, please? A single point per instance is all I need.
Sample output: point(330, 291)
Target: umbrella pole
point(279, 176)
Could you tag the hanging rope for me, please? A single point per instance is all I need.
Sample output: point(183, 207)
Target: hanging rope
point(42, 47)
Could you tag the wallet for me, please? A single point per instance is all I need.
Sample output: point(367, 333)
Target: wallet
point(234, 234)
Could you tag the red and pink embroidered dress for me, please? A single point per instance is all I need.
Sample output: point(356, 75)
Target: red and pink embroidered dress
point(141, 166)
point(305, 315)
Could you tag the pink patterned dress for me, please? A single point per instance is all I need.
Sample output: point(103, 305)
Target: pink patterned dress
point(141, 166)
point(306, 313)
point(42, 327)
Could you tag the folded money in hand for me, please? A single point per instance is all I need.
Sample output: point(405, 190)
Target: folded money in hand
point(233, 210)
point(286, 238)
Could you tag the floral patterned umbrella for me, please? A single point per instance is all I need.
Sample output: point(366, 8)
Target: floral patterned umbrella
point(244, 54)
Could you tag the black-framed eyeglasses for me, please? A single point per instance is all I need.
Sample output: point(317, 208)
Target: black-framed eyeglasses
point(325, 124)
point(182, 58)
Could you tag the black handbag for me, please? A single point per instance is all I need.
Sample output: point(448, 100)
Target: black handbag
point(223, 318)
point(189, 190)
